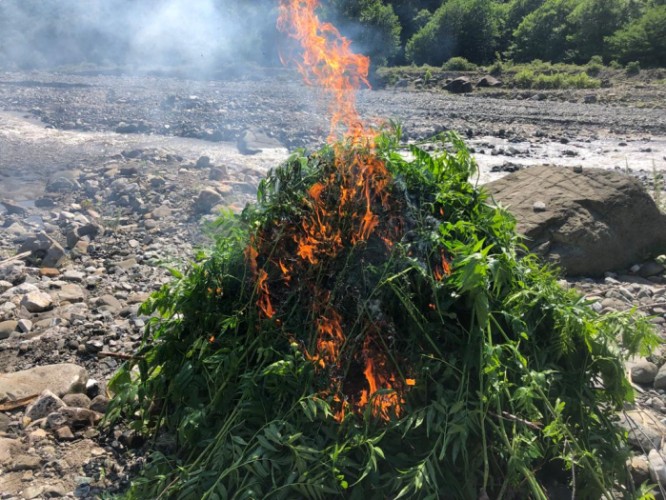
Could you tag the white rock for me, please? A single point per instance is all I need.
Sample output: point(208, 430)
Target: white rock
point(36, 302)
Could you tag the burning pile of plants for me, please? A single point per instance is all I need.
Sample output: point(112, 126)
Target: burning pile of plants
point(373, 327)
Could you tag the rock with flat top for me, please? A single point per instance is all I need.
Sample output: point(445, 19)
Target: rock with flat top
point(60, 379)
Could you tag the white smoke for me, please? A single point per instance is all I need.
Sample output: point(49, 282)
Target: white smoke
point(141, 34)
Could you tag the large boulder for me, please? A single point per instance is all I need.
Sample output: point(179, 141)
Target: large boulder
point(461, 85)
point(587, 222)
point(489, 81)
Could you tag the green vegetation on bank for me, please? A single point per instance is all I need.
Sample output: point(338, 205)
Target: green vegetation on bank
point(432, 32)
point(506, 380)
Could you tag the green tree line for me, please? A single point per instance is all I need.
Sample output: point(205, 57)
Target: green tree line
point(431, 32)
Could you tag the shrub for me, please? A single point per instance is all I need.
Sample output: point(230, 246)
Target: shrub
point(595, 66)
point(459, 64)
point(528, 79)
point(524, 79)
point(583, 81)
point(633, 68)
point(614, 65)
point(258, 360)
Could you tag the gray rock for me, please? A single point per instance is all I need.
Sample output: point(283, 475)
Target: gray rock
point(5, 421)
point(460, 85)
point(8, 448)
point(597, 221)
point(161, 212)
point(640, 471)
point(4, 286)
point(650, 268)
point(109, 303)
point(13, 272)
point(70, 292)
point(46, 403)
point(64, 433)
point(203, 162)
point(18, 232)
point(24, 462)
point(644, 372)
point(7, 328)
point(62, 184)
point(206, 200)
point(44, 249)
point(36, 302)
point(77, 400)
point(25, 325)
point(75, 418)
point(60, 379)
point(657, 467)
point(14, 208)
point(539, 206)
point(644, 429)
point(254, 141)
point(73, 276)
point(99, 404)
point(660, 378)
point(218, 174)
point(489, 81)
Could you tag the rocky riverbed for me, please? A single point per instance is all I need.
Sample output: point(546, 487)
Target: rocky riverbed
point(107, 182)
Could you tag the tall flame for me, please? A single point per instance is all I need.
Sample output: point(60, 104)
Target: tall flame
point(339, 212)
point(328, 62)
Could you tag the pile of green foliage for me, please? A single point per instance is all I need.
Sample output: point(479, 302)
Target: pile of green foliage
point(509, 381)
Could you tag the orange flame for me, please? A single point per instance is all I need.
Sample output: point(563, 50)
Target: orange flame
point(379, 376)
point(327, 61)
point(339, 212)
point(264, 301)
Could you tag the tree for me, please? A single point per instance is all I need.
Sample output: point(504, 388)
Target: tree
point(516, 10)
point(543, 34)
point(371, 24)
point(591, 22)
point(466, 28)
point(642, 40)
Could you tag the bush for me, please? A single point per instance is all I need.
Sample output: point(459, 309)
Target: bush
point(614, 65)
point(633, 68)
point(524, 79)
point(529, 79)
point(459, 64)
point(595, 66)
point(488, 375)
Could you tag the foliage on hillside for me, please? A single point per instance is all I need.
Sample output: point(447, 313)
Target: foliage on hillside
point(258, 360)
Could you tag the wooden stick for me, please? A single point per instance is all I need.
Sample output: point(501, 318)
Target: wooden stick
point(104, 354)
point(508, 416)
point(15, 257)
point(18, 403)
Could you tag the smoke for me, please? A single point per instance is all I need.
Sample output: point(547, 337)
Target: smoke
point(137, 34)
